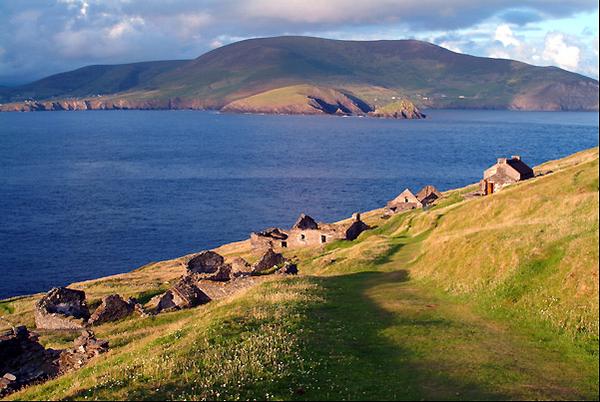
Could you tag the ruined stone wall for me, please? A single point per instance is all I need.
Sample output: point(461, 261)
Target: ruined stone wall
point(312, 237)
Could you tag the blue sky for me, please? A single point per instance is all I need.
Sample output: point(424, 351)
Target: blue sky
point(38, 38)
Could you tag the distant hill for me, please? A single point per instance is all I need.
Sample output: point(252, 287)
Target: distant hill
point(372, 73)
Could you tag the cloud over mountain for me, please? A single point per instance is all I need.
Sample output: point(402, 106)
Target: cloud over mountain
point(39, 38)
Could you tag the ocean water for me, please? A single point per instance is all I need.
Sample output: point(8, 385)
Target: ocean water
point(88, 194)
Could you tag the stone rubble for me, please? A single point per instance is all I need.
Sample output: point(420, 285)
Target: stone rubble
point(23, 360)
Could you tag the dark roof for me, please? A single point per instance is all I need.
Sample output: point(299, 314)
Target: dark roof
point(428, 192)
point(305, 222)
point(525, 171)
point(274, 233)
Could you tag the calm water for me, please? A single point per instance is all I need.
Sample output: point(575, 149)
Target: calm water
point(88, 194)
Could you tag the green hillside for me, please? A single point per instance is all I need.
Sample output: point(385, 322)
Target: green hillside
point(376, 72)
point(92, 81)
point(485, 298)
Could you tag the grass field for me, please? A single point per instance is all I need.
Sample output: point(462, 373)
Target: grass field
point(489, 298)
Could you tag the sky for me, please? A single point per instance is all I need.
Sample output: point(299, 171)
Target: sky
point(43, 37)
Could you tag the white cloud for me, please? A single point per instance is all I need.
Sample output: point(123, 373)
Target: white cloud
point(81, 5)
point(505, 35)
point(124, 27)
point(451, 46)
point(558, 51)
point(216, 43)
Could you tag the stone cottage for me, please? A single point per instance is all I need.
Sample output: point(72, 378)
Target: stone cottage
point(307, 232)
point(428, 195)
point(403, 202)
point(407, 200)
point(505, 172)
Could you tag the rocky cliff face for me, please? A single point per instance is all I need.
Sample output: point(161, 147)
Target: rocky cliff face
point(301, 99)
point(402, 109)
point(104, 104)
point(558, 96)
point(296, 99)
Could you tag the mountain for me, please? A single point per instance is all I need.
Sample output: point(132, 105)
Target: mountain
point(485, 298)
point(371, 73)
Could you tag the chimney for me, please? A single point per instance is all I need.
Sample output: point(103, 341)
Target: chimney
point(516, 157)
point(356, 216)
point(501, 161)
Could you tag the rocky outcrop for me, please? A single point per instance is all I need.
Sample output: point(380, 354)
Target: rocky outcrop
point(105, 103)
point(184, 294)
point(402, 109)
point(112, 308)
point(269, 260)
point(23, 360)
point(62, 308)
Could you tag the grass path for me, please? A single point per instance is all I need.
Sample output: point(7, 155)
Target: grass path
point(383, 336)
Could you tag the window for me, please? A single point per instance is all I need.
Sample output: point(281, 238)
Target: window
point(323, 239)
point(284, 244)
point(302, 236)
point(405, 199)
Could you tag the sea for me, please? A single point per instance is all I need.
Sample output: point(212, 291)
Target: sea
point(89, 194)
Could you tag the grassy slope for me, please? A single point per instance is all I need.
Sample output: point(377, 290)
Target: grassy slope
point(489, 298)
point(93, 80)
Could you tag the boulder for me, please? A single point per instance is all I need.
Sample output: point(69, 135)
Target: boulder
point(62, 308)
point(112, 308)
point(184, 294)
point(268, 260)
point(207, 262)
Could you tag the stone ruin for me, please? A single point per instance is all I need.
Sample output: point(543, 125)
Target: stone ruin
point(113, 308)
point(62, 308)
point(268, 260)
point(240, 267)
point(207, 269)
point(66, 309)
point(184, 294)
point(308, 232)
point(23, 360)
